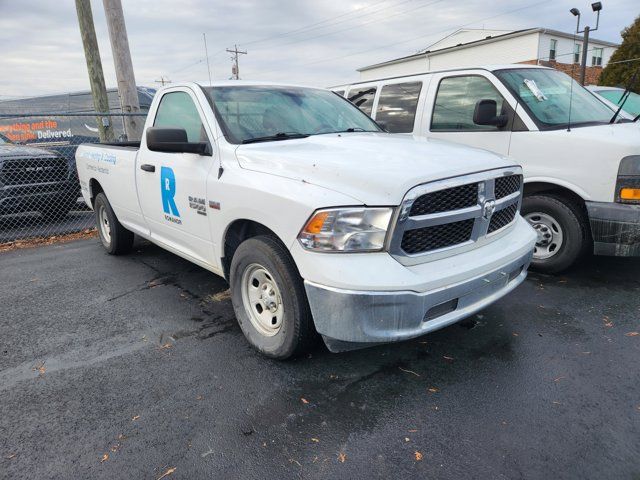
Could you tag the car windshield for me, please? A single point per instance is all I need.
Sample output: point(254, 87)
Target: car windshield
point(631, 106)
point(270, 113)
point(552, 100)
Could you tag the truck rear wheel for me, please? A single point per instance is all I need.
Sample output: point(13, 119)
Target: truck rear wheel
point(562, 232)
point(269, 299)
point(116, 239)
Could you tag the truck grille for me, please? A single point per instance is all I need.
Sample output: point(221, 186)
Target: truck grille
point(438, 236)
point(450, 213)
point(507, 185)
point(444, 200)
point(31, 171)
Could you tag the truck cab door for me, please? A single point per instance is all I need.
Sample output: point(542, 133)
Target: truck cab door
point(450, 107)
point(172, 186)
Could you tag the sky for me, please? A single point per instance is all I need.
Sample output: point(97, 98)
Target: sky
point(319, 42)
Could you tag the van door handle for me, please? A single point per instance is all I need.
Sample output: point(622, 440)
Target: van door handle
point(148, 168)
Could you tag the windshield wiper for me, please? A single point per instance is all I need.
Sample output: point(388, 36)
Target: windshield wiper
point(277, 136)
point(625, 96)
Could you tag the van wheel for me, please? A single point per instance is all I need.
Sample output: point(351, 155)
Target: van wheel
point(116, 239)
point(562, 232)
point(269, 299)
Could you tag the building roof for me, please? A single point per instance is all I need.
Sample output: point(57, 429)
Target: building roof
point(487, 39)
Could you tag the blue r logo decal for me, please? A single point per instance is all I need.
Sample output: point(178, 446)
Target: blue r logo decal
point(168, 191)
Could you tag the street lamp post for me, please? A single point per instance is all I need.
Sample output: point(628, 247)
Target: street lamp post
point(596, 7)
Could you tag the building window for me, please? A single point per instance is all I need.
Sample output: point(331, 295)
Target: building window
point(576, 53)
point(596, 59)
point(553, 43)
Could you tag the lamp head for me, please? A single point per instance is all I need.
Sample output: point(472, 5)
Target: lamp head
point(575, 12)
point(596, 6)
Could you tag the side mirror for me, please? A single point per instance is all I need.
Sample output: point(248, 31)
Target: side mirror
point(486, 113)
point(160, 139)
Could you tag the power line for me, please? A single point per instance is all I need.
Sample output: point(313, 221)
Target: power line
point(359, 25)
point(313, 25)
point(415, 38)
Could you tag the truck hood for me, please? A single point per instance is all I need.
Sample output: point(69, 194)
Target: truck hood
point(372, 168)
point(10, 150)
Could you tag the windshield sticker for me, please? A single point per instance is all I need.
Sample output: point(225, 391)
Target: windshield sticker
point(168, 191)
point(533, 88)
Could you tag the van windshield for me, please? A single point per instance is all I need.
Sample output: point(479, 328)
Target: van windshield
point(547, 95)
point(269, 113)
point(631, 106)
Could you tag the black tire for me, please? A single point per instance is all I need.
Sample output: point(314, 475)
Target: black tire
point(119, 240)
point(572, 223)
point(296, 332)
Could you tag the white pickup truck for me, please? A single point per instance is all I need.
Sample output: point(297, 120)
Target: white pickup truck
point(320, 222)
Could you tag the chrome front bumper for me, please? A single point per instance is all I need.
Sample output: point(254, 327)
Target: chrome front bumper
point(350, 319)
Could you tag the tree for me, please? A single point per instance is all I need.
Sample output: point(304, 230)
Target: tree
point(619, 74)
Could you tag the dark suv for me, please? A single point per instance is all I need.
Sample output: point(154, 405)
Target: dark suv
point(35, 180)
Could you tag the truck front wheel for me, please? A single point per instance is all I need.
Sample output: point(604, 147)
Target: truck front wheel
point(269, 299)
point(562, 232)
point(116, 239)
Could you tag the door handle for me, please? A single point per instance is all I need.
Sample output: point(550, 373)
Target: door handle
point(148, 168)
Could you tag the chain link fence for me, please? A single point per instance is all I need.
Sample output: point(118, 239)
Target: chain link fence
point(39, 189)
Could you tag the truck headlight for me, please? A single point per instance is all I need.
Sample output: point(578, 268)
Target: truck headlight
point(346, 230)
point(628, 184)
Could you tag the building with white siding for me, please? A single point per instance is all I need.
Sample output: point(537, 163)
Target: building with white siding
point(472, 47)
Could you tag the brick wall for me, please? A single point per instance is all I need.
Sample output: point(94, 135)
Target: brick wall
point(591, 75)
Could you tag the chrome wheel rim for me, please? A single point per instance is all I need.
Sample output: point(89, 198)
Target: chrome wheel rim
point(550, 235)
point(262, 300)
point(103, 224)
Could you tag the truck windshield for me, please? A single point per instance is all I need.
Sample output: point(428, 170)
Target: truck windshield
point(272, 113)
point(547, 95)
point(631, 106)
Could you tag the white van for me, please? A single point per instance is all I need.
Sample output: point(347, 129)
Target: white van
point(582, 173)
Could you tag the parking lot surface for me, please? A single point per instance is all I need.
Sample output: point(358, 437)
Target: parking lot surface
point(134, 367)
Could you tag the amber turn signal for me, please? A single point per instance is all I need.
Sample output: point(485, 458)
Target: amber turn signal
point(315, 224)
point(630, 194)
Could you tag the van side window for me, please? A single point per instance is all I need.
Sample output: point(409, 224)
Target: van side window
point(456, 101)
point(397, 106)
point(363, 98)
point(339, 92)
point(177, 110)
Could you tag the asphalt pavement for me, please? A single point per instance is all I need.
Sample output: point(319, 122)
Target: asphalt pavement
point(134, 367)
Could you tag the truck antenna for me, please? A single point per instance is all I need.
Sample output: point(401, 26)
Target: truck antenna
point(204, 36)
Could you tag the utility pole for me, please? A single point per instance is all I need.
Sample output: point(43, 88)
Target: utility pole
point(596, 7)
point(94, 67)
point(235, 69)
point(124, 68)
point(162, 80)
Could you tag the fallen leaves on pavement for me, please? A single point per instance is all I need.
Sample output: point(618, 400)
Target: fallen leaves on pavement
point(342, 457)
point(632, 334)
point(167, 473)
point(417, 455)
point(409, 371)
point(433, 390)
point(39, 367)
point(136, 417)
point(304, 400)
point(39, 242)
point(104, 458)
